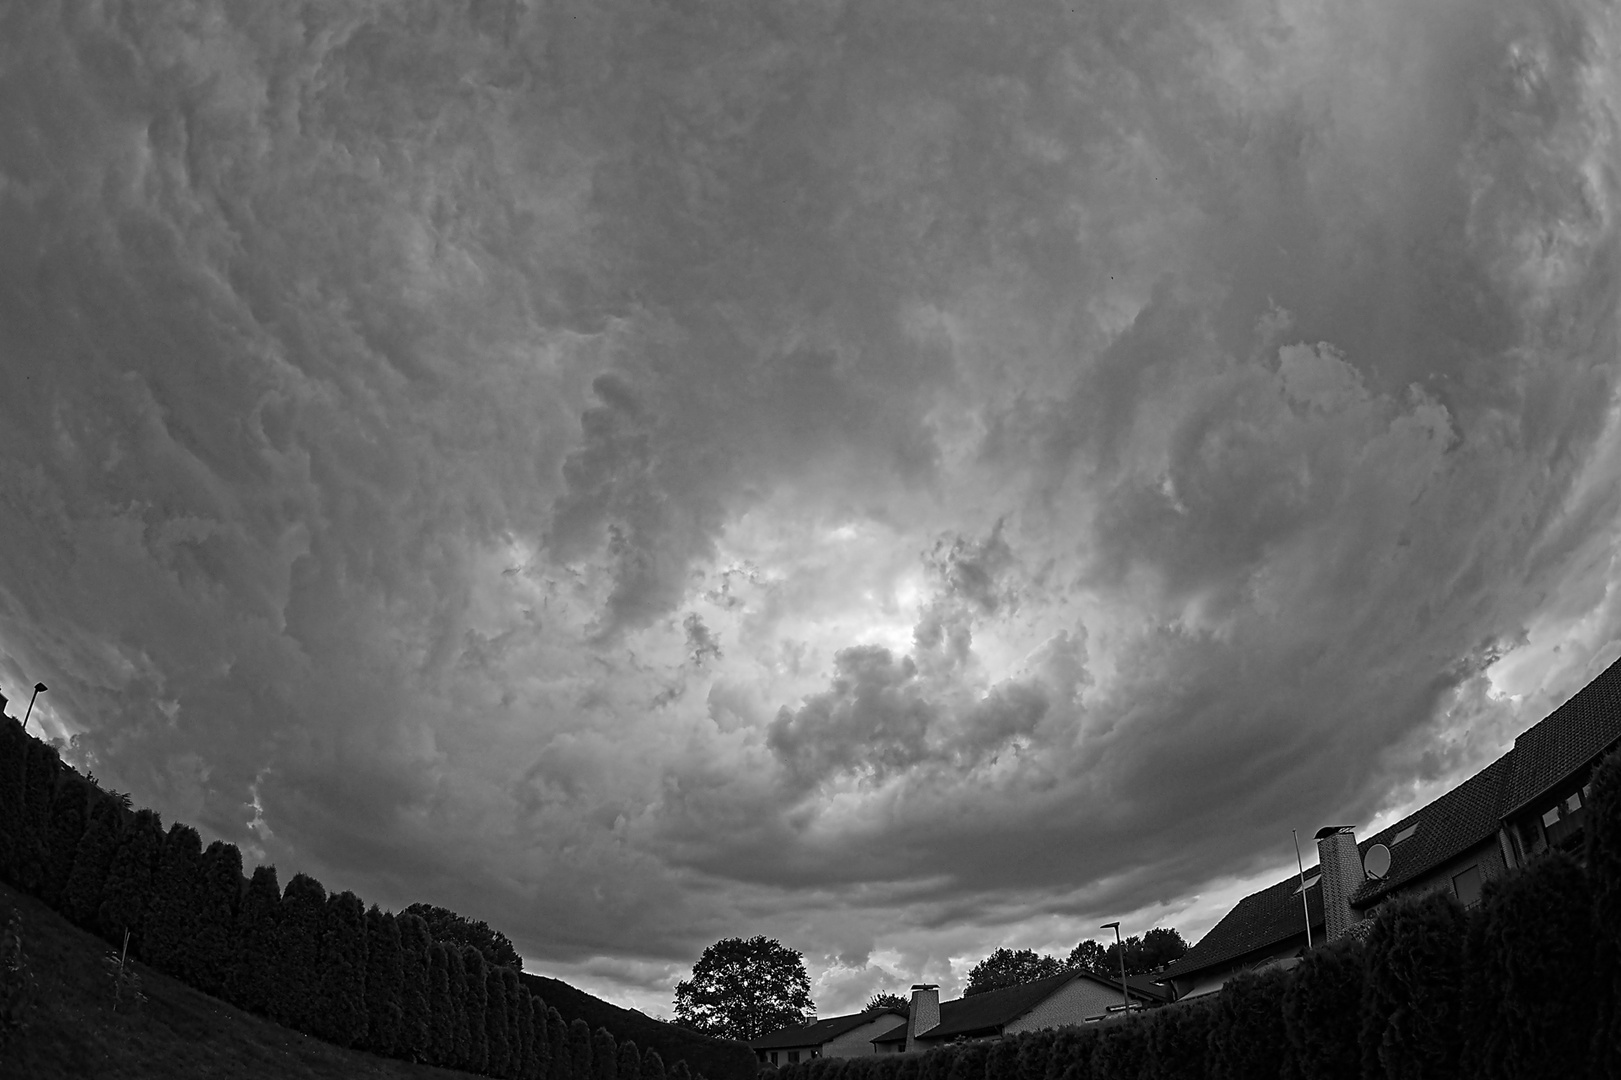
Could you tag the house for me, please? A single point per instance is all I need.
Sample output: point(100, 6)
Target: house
point(1528, 801)
point(836, 1036)
point(1073, 997)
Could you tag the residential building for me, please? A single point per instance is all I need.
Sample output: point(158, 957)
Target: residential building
point(836, 1036)
point(1528, 801)
point(1073, 997)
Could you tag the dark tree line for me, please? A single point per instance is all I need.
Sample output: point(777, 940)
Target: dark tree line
point(422, 985)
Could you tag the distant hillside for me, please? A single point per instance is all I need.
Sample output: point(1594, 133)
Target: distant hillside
point(178, 1034)
point(717, 1059)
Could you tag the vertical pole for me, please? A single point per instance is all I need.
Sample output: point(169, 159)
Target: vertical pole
point(1303, 905)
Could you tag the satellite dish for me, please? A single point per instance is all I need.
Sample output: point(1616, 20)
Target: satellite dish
point(1377, 864)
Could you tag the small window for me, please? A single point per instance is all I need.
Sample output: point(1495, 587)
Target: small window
point(1587, 791)
point(1405, 834)
point(1467, 886)
point(1308, 883)
point(1574, 803)
point(793, 1057)
point(773, 1057)
point(1550, 817)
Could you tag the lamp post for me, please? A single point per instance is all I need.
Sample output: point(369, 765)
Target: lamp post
point(39, 688)
point(1120, 947)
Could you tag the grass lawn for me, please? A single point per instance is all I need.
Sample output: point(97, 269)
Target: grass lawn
point(177, 1034)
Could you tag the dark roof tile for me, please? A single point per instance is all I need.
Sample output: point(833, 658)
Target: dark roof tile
point(1260, 919)
point(818, 1033)
point(1571, 736)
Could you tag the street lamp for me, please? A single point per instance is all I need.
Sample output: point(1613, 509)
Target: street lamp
point(39, 688)
point(1120, 947)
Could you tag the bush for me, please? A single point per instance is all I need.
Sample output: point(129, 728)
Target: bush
point(1034, 1049)
point(1603, 842)
point(82, 896)
point(653, 1066)
point(1001, 1059)
point(13, 785)
point(251, 983)
point(630, 1061)
point(1247, 1035)
point(342, 1019)
point(562, 1063)
point(1320, 1009)
point(1532, 948)
point(475, 1003)
point(219, 888)
point(523, 1042)
point(171, 918)
point(39, 789)
point(461, 1030)
point(1412, 1000)
point(540, 1054)
point(1070, 1057)
point(1178, 1041)
point(517, 1009)
point(604, 1055)
point(579, 1051)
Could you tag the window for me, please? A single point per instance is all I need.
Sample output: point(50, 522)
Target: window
point(1467, 886)
point(1308, 883)
point(1405, 834)
point(1550, 817)
point(1574, 803)
point(793, 1057)
point(773, 1057)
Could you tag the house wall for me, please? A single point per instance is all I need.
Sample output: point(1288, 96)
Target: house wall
point(1212, 979)
point(1488, 855)
point(858, 1041)
point(1074, 1003)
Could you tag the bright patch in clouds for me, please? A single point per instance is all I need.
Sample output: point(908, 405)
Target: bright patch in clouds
point(903, 479)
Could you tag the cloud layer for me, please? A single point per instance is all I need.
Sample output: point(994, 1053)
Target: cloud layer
point(904, 479)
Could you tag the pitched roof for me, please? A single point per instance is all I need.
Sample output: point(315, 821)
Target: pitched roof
point(995, 1009)
point(1570, 737)
point(818, 1033)
point(1260, 919)
point(1449, 826)
point(1543, 755)
point(896, 1034)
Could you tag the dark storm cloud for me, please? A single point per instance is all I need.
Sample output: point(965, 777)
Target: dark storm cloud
point(895, 475)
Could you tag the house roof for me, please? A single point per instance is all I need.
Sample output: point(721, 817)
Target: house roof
point(1543, 755)
point(995, 1009)
point(1261, 919)
point(1449, 826)
point(1571, 736)
point(816, 1034)
point(896, 1034)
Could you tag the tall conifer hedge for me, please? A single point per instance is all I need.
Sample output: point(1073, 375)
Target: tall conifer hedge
point(171, 918)
point(1603, 842)
point(219, 891)
point(128, 889)
point(385, 977)
point(43, 767)
point(13, 785)
point(456, 967)
point(1321, 1007)
point(1413, 998)
point(296, 1000)
point(416, 1019)
point(557, 1036)
point(342, 975)
point(70, 812)
point(441, 1024)
point(81, 898)
point(252, 981)
point(630, 1061)
point(498, 1052)
point(579, 1050)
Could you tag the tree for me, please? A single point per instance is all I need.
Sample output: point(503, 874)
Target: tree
point(171, 921)
point(630, 1061)
point(44, 764)
point(517, 999)
point(604, 1055)
point(447, 925)
point(219, 887)
point(562, 1065)
point(416, 987)
point(1604, 876)
point(295, 1001)
point(1318, 1006)
point(496, 1034)
point(70, 812)
point(13, 785)
point(1004, 968)
point(523, 1041)
point(252, 983)
point(886, 1000)
point(540, 1043)
point(441, 1043)
point(81, 897)
point(129, 882)
point(343, 970)
point(744, 989)
point(475, 1000)
point(385, 976)
point(579, 1049)
point(1412, 999)
point(653, 1066)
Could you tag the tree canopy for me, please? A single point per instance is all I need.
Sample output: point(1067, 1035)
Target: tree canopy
point(447, 925)
point(1004, 968)
point(886, 1000)
point(1144, 955)
point(744, 989)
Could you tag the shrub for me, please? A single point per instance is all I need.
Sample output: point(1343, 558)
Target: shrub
point(456, 968)
point(251, 983)
point(39, 788)
point(129, 885)
point(13, 785)
point(82, 895)
point(416, 989)
point(219, 888)
point(1320, 1007)
point(1001, 1059)
point(1532, 949)
point(652, 1066)
point(1071, 1053)
point(604, 1055)
point(540, 1045)
point(1178, 1042)
point(562, 1062)
point(579, 1051)
point(295, 1000)
point(475, 1002)
point(523, 1038)
point(1032, 1056)
point(18, 987)
point(1247, 1035)
point(968, 1062)
point(441, 1041)
point(517, 1008)
point(171, 918)
point(1412, 998)
point(680, 1071)
point(1603, 842)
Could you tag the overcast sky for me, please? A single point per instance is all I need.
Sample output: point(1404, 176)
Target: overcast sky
point(902, 478)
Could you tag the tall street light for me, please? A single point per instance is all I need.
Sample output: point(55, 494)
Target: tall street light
point(39, 688)
point(1120, 947)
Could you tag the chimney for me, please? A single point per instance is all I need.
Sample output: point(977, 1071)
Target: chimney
point(1341, 866)
point(925, 1012)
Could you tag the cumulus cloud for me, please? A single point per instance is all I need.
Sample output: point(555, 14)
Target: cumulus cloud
point(905, 479)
